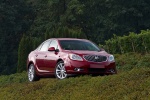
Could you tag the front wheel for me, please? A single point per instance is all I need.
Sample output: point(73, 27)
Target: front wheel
point(32, 74)
point(60, 71)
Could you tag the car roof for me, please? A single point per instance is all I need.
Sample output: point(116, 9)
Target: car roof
point(68, 39)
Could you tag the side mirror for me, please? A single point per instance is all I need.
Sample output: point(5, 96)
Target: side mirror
point(51, 49)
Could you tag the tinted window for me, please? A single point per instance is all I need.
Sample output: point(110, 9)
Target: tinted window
point(45, 46)
point(54, 44)
point(78, 45)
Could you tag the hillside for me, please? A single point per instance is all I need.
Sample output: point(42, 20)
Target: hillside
point(131, 83)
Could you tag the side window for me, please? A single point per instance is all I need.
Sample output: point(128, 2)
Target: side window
point(54, 44)
point(39, 47)
point(45, 46)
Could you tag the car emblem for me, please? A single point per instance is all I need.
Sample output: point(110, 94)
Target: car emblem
point(96, 57)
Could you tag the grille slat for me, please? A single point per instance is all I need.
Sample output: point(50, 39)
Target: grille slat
point(95, 58)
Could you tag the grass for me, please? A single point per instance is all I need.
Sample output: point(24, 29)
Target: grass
point(131, 83)
point(128, 61)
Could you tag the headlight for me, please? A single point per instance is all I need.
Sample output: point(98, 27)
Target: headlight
point(75, 57)
point(111, 58)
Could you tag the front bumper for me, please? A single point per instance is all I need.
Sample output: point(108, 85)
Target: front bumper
point(85, 67)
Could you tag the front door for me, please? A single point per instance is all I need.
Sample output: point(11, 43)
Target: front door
point(51, 57)
point(41, 55)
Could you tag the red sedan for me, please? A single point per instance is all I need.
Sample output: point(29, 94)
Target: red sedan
point(67, 56)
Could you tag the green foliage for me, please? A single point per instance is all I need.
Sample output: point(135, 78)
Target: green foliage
point(23, 51)
point(132, 43)
point(98, 19)
point(15, 17)
point(65, 32)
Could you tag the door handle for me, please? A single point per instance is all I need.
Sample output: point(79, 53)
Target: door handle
point(45, 55)
point(36, 55)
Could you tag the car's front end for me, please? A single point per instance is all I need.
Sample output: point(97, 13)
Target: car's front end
point(90, 63)
point(85, 57)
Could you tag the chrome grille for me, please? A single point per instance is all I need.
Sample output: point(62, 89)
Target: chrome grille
point(95, 58)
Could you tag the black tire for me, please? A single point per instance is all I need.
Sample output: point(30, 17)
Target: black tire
point(60, 71)
point(32, 74)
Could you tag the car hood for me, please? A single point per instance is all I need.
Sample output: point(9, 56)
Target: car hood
point(104, 53)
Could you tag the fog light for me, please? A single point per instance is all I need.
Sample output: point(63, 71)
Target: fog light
point(111, 70)
point(78, 69)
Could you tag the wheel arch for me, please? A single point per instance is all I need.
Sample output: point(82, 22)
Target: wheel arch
point(59, 60)
point(31, 62)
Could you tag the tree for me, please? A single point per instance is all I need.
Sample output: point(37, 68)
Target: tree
point(25, 47)
point(15, 19)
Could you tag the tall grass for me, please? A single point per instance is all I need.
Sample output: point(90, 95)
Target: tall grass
point(128, 61)
point(131, 85)
point(14, 78)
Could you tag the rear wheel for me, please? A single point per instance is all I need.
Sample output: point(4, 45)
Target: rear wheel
point(60, 71)
point(32, 74)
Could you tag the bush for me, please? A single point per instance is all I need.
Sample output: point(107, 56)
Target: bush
point(139, 43)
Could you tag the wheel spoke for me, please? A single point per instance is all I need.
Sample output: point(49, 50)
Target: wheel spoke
point(59, 67)
point(32, 70)
point(62, 66)
point(64, 74)
point(57, 70)
point(58, 73)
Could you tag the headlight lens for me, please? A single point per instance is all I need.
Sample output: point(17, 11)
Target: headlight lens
point(75, 57)
point(111, 58)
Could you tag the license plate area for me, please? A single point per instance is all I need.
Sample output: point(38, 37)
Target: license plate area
point(96, 66)
point(97, 70)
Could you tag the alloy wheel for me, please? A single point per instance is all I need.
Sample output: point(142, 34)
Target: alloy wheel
point(31, 73)
point(61, 71)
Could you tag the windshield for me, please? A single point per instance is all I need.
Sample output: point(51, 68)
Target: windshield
point(78, 45)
